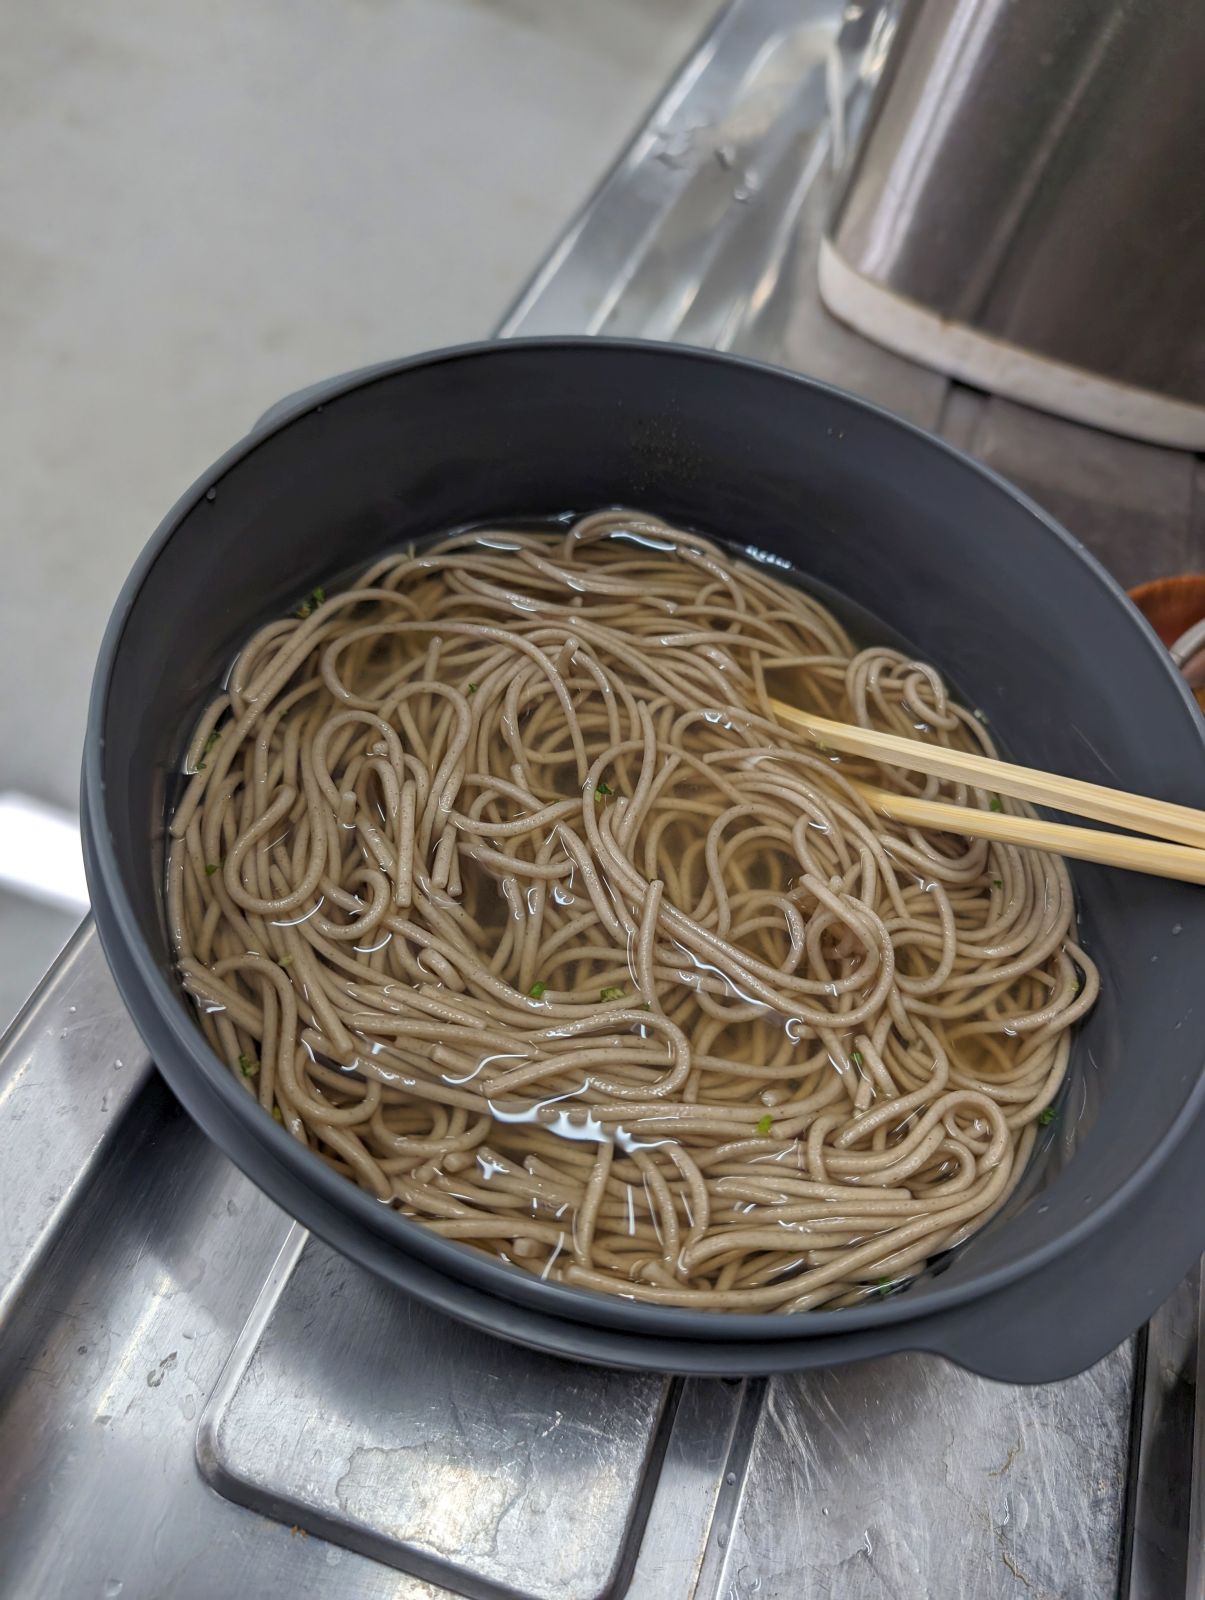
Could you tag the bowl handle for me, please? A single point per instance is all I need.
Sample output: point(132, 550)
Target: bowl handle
point(1070, 1314)
point(300, 400)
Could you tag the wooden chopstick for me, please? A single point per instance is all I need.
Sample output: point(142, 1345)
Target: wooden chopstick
point(1154, 856)
point(1159, 818)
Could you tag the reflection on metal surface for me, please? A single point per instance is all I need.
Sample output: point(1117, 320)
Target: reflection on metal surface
point(704, 1457)
point(431, 1447)
point(107, 1363)
point(907, 1477)
point(1163, 1446)
point(158, 1311)
point(1025, 213)
point(686, 236)
point(58, 1116)
point(685, 250)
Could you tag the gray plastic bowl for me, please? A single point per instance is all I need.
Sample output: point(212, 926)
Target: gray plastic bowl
point(984, 584)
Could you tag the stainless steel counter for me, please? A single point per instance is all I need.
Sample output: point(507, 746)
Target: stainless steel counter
point(198, 1401)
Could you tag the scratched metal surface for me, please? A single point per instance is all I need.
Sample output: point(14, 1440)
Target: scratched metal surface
point(919, 1480)
point(482, 1473)
point(196, 1401)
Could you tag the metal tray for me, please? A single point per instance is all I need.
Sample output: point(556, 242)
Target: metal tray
point(197, 1400)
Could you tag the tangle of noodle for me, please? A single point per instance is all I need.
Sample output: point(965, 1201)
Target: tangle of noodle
point(498, 884)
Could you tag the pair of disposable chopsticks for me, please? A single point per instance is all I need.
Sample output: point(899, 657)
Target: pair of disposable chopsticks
point(1184, 859)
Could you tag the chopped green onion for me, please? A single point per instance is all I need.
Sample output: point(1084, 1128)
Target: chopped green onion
point(884, 1287)
point(644, 1006)
point(997, 883)
point(856, 1058)
point(1045, 1118)
point(613, 991)
point(312, 601)
point(764, 1124)
point(210, 868)
point(206, 748)
point(283, 961)
point(536, 992)
point(248, 1066)
point(276, 1114)
point(603, 791)
point(995, 803)
point(472, 689)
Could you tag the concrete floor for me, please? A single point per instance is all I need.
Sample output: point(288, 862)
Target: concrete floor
point(206, 205)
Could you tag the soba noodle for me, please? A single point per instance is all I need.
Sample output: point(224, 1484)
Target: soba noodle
point(497, 882)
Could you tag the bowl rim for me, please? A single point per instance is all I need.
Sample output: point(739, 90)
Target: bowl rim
point(291, 1172)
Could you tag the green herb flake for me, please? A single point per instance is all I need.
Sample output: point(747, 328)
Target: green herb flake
point(283, 961)
point(997, 883)
point(764, 1124)
point(312, 601)
point(995, 803)
point(536, 992)
point(276, 1114)
point(613, 991)
point(472, 689)
point(248, 1066)
point(210, 868)
point(603, 792)
point(884, 1287)
point(856, 1058)
point(206, 748)
point(1045, 1118)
